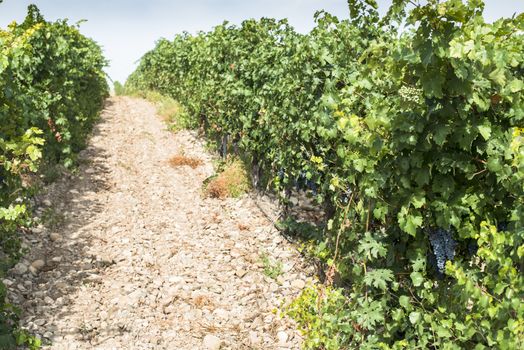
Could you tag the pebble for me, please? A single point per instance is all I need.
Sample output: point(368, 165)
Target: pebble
point(282, 337)
point(54, 236)
point(212, 342)
point(298, 284)
point(253, 338)
point(241, 273)
point(40, 322)
point(20, 269)
point(38, 264)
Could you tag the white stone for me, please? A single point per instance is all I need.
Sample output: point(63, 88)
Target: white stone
point(298, 284)
point(54, 236)
point(38, 264)
point(282, 337)
point(212, 342)
point(20, 268)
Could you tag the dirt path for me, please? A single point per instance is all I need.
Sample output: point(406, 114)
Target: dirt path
point(137, 259)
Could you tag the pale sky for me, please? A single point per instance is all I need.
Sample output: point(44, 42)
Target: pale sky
point(126, 29)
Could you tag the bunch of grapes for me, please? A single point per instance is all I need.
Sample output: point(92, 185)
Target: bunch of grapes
point(303, 183)
point(346, 195)
point(502, 226)
point(443, 246)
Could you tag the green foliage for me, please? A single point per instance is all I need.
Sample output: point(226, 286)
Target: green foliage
point(402, 132)
point(272, 268)
point(118, 88)
point(168, 108)
point(51, 89)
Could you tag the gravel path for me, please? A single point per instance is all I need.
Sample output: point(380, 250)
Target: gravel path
point(133, 257)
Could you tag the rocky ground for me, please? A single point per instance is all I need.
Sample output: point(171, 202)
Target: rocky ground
point(132, 256)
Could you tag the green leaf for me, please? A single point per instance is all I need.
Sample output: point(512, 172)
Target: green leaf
point(378, 278)
point(485, 131)
point(516, 85)
point(498, 76)
point(417, 278)
point(405, 302)
point(409, 222)
point(414, 317)
point(418, 201)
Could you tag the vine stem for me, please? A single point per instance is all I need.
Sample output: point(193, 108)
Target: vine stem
point(332, 268)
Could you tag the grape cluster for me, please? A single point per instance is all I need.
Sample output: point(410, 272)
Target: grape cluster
point(472, 247)
point(443, 246)
point(346, 195)
point(303, 183)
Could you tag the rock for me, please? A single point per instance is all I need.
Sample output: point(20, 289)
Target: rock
point(61, 285)
point(253, 338)
point(38, 264)
point(40, 322)
point(20, 268)
point(282, 337)
point(86, 266)
point(240, 273)
point(211, 342)
point(48, 335)
point(47, 202)
point(221, 313)
point(38, 230)
point(54, 237)
point(7, 282)
point(298, 284)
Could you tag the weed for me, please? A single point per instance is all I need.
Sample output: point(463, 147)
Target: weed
point(181, 160)
point(169, 109)
point(202, 301)
point(272, 268)
point(51, 172)
point(232, 181)
point(243, 227)
point(52, 219)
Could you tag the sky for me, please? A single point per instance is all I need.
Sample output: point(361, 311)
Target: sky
point(126, 29)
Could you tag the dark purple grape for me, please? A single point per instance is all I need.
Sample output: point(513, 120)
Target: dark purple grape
point(443, 246)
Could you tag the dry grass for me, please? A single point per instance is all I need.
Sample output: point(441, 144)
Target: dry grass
point(169, 110)
point(243, 227)
point(181, 160)
point(202, 301)
point(231, 182)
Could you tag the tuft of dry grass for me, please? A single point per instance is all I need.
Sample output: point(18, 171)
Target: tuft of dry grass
point(231, 182)
point(243, 227)
point(181, 160)
point(202, 301)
